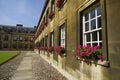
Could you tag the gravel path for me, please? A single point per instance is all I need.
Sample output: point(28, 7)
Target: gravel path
point(40, 68)
point(44, 71)
point(7, 70)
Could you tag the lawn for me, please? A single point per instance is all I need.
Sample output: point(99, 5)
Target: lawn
point(5, 56)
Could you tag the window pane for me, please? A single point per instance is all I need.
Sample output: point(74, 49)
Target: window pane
point(98, 11)
point(100, 44)
point(88, 44)
point(62, 34)
point(92, 14)
point(99, 22)
point(51, 41)
point(6, 45)
point(87, 26)
point(93, 24)
point(100, 35)
point(63, 29)
point(94, 36)
point(86, 17)
point(94, 44)
point(31, 46)
point(63, 41)
point(88, 37)
point(53, 8)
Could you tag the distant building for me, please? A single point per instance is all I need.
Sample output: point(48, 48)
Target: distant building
point(16, 37)
point(69, 23)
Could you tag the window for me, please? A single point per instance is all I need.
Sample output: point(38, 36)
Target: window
point(14, 45)
point(25, 46)
point(5, 45)
point(46, 17)
point(20, 46)
point(92, 34)
point(43, 42)
point(53, 6)
point(0, 45)
point(26, 38)
point(21, 38)
point(60, 3)
point(31, 38)
point(14, 38)
point(52, 9)
point(31, 46)
point(52, 39)
point(0, 38)
point(46, 38)
point(47, 14)
point(62, 36)
point(6, 38)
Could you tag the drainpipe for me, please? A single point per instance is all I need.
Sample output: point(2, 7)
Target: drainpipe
point(106, 32)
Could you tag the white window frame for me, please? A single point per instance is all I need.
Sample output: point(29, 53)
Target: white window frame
point(98, 41)
point(21, 38)
point(62, 36)
point(53, 7)
point(31, 38)
point(14, 38)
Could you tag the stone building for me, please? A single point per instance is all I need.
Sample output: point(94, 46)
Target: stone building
point(16, 37)
point(69, 23)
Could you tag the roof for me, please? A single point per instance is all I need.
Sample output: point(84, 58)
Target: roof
point(45, 5)
point(16, 29)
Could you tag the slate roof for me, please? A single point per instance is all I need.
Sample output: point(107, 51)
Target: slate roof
point(16, 29)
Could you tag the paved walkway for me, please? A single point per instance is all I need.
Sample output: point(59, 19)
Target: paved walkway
point(33, 67)
point(24, 71)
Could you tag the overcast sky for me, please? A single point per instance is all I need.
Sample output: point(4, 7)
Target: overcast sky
point(26, 12)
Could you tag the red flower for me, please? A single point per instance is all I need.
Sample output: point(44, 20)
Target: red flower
point(89, 53)
point(36, 47)
point(50, 49)
point(59, 3)
point(101, 58)
point(59, 50)
point(50, 15)
point(46, 22)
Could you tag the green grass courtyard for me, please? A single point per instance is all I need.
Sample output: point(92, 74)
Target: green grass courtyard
point(5, 56)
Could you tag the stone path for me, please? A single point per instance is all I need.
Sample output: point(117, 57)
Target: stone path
point(7, 70)
point(24, 71)
point(42, 70)
point(33, 67)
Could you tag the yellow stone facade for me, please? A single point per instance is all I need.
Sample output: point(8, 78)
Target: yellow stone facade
point(70, 14)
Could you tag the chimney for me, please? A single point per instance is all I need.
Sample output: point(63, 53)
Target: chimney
point(19, 25)
point(34, 26)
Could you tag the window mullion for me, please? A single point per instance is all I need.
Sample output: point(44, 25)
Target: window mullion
point(96, 18)
point(98, 37)
point(89, 20)
point(91, 39)
point(84, 30)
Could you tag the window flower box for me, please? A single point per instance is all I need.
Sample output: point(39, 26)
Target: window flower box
point(50, 15)
point(36, 47)
point(45, 48)
point(46, 22)
point(40, 48)
point(60, 51)
point(51, 49)
point(59, 3)
point(89, 54)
